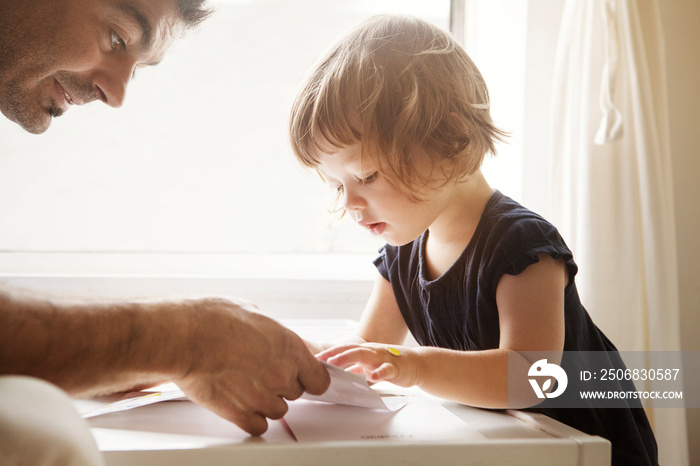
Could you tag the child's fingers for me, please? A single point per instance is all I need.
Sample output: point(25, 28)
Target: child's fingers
point(325, 355)
point(356, 369)
point(353, 355)
point(386, 371)
point(370, 358)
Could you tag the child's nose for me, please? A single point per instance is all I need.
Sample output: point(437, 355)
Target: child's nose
point(353, 201)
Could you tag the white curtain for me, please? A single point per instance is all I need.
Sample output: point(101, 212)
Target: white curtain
point(611, 172)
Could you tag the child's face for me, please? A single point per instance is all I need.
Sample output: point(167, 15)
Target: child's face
point(373, 202)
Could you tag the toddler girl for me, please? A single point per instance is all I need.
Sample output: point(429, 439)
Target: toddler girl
point(396, 118)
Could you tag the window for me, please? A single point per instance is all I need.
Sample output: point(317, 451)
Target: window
point(197, 162)
point(198, 159)
point(496, 39)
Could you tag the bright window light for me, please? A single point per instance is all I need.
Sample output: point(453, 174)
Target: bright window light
point(197, 160)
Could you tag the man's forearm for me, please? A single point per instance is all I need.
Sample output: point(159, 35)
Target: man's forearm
point(88, 349)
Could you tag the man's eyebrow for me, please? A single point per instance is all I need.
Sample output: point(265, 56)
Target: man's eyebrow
point(140, 18)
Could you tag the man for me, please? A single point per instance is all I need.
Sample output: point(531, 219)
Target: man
point(58, 53)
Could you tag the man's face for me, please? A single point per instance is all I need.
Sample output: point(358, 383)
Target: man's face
point(71, 52)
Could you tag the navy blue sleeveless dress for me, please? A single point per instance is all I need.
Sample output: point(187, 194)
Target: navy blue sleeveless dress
point(458, 311)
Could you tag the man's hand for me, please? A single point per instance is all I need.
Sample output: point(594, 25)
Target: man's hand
point(243, 365)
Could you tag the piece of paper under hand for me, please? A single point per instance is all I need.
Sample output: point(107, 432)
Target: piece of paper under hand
point(350, 389)
point(135, 402)
point(421, 419)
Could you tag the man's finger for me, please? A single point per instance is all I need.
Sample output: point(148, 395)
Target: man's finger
point(294, 392)
point(275, 409)
point(314, 378)
point(253, 423)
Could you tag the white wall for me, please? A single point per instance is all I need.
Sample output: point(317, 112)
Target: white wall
point(682, 36)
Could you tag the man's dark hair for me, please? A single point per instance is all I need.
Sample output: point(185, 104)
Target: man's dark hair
point(193, 12)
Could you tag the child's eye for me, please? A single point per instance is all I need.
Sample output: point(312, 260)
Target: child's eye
point(337, 188)
point(370, 178)
point(116, 41)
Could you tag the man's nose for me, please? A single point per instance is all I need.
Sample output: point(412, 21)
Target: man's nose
point(112, 80)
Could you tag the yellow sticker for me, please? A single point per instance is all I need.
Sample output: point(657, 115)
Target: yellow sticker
point(393, 351)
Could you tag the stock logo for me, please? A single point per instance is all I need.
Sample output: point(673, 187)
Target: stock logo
point(542, 368)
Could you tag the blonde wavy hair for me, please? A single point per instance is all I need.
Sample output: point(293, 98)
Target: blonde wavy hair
point(393, 85)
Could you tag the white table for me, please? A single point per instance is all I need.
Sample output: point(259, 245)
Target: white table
point(182, 433)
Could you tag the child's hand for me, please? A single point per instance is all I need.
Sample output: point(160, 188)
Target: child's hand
point(314, 346)
point(376, 361)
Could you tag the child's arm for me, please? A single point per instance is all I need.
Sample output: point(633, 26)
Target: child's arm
point(531, 315)
point(381, 321)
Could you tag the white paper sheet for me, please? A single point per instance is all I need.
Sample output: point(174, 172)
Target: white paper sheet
point(130, 401)
point(419, 419)
point(350, 389)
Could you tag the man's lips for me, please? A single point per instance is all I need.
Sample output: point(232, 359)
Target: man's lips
point(64, 99)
